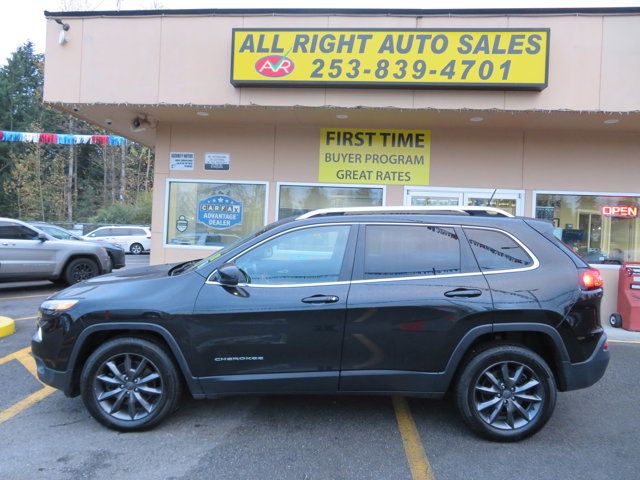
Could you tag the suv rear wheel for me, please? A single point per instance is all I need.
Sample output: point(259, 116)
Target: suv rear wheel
point(136, 249)
point(130, 384)
point(506, 393)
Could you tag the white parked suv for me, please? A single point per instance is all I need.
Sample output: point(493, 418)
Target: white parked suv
point(134, 239)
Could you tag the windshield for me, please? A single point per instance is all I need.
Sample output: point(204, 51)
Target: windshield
point(56, 232)
point(207, 260)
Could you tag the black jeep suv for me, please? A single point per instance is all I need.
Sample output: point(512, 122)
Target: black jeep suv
point(408, 301)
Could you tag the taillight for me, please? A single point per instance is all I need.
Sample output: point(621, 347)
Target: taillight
point(590, 279)
point(149, 235)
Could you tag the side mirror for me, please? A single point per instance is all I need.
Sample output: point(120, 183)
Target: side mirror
point(230, 275)
point(42, 237)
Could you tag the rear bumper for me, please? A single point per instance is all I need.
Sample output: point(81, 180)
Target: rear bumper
point(584, 374)
point(117, 258)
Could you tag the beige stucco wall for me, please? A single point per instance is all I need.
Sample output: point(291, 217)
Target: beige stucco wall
point(185, 60)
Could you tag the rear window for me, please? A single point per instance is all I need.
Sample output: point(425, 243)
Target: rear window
point(496, 250)
point(410, 251)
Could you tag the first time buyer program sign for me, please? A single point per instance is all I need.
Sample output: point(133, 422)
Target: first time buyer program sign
point(374, 156)
point(498, 59)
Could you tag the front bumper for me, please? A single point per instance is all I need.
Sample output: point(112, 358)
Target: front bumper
point(574, 376)
point(53, 378)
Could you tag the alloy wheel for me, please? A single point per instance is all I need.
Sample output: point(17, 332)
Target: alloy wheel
point(136, 249)
point(82, 271)
point(508, 395)
point(128, 387)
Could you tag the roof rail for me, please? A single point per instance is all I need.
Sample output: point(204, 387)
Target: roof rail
point(478, 211)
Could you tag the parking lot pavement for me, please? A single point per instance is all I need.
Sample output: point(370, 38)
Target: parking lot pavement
point(593, 434)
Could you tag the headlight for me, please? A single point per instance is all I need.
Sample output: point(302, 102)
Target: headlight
point(58, 305)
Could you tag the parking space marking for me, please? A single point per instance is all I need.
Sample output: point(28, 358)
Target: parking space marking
point(15, 355)
point(417, 458)
point(21, 297)
point(24, 357)
point(25, 318)
point(636, 342)
point(25, 403)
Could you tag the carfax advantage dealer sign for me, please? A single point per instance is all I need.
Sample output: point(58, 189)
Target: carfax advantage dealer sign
point(442, 58)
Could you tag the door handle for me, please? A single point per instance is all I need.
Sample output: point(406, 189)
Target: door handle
point(6, 244)
point(320, 299)
point(463, 293)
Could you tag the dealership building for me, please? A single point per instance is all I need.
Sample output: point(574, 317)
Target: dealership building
point(257, 115)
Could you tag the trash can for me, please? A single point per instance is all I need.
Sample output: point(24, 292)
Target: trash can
point(628, 314)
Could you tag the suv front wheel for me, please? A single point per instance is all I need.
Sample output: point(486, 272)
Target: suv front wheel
point(506, 393)
point(130, 384)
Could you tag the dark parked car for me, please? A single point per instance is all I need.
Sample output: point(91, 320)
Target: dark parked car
point(404, 301)
point(116, 252)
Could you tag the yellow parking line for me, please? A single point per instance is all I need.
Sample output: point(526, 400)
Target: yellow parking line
point(418, 461)
point(24, 357)
point(25, 403)
point(24, 296)
point(15, 355)
point(637, 342)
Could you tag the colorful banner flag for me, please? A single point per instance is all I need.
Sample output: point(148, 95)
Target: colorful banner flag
point(60, 138)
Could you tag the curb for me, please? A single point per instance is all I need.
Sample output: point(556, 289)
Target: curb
point(7, 326)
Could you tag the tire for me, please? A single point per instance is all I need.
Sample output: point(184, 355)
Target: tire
point(131, 405)
point(80, 269)
point(485, 402)
point(615, 320)
point(136, 248)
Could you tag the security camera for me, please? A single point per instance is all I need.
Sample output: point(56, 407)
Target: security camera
point(140, 123)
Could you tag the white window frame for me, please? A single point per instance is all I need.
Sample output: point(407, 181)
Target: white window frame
point(534, 201)
point(468, 191)
point(165, 222)
point(308, 184)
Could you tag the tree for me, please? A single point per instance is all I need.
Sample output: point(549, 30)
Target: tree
point(59, 182)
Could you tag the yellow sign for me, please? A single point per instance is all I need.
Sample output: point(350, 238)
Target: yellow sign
point(353, 155)
point(490, 59)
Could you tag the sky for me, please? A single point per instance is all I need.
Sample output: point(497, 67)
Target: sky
point(24, 19)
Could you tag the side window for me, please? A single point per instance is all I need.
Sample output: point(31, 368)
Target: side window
point(102, 232)
point(14, 231)
point(410, 251)
point(137, 232)
point(119, 232)
point(309, 255)
point(496, 251)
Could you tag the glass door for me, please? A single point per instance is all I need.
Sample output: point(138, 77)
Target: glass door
point(510, 201)
point(434, 199)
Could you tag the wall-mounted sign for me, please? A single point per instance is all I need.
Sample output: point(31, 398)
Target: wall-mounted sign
point(181, 161)
point(216, 161)
point(498, 59)
point(352, 155)
point(619, 211)
point(220, 211)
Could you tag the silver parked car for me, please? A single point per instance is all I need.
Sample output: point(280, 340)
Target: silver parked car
point(28, 253)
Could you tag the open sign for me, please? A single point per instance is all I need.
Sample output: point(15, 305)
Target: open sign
point(619, 211)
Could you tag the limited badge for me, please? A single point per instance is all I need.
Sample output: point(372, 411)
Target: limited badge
point(182, 223)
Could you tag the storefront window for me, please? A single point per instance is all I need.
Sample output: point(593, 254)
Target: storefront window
point(601, 228)
point(213, 214)
point(299, 199)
